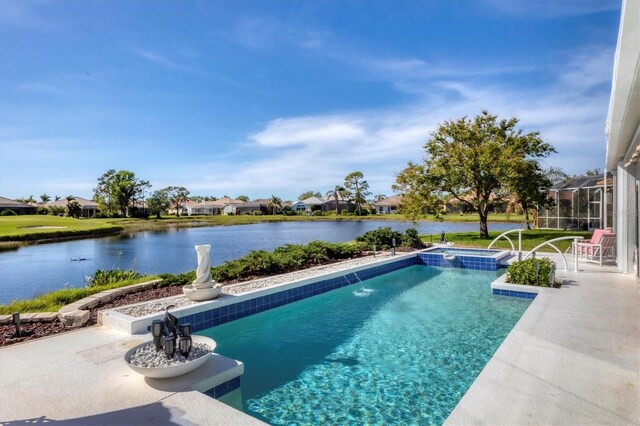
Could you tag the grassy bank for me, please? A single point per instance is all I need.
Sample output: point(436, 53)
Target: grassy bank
point(44, 227)
point(51, 302)
point(38, 227)
point(530, 239)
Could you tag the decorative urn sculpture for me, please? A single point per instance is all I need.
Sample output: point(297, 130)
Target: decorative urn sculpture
point(203, 287)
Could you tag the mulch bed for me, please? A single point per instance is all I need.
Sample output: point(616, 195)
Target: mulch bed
point(31, 331)
point(36, 330)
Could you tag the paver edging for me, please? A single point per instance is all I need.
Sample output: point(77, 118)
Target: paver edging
point(77, 313)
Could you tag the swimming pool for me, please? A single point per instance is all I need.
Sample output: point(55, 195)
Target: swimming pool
point(404, 352)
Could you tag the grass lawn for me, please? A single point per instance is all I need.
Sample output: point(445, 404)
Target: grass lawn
point(52, 302)
point(34, 227)
point(530, 239)
point(42, 227)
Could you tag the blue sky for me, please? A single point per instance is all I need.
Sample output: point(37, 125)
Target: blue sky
point(280, 97)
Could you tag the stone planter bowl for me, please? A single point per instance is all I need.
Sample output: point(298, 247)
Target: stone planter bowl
point(174, 370)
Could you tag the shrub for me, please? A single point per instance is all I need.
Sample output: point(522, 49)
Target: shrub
point(177, 279)
point(537, 272)
point(42, 210)
point(287, 258)
point(112, 276)
point(7, 212)
point(318, 213)
point(344, 212)
point(56, 210)
point(257, 213)
point(382, 238)
point(411, 239)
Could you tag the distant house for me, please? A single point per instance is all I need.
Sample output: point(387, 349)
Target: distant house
point(16, 206)
point(308, 205)
point(325, 204)
point(224, 205)
point(388, 205)
point(89, 207)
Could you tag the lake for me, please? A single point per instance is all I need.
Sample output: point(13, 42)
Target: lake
point(38, 269)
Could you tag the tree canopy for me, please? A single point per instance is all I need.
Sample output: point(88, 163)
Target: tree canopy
point(473, 161)
point(358, 189)
point(308, 194)
point(338, 193)
point(117, 190)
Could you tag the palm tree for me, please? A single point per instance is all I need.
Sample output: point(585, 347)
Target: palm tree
point(275, 203)
point(45, 198)
point(338, 193)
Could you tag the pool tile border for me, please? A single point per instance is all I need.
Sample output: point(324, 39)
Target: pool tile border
point(233, 311)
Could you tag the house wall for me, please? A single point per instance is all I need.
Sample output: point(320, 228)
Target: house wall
point(627, 220)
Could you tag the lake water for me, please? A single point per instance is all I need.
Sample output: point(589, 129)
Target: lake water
point(38, 269)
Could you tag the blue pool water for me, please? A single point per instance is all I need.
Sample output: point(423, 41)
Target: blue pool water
point(403, 352)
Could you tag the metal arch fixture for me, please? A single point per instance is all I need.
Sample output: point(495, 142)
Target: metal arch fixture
point(574, 254)
point(504, 234)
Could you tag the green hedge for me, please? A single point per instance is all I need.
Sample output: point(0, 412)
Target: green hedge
point(382, 238)
point(536, 272)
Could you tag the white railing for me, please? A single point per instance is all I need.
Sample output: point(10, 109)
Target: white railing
point(504, 235)
point(574, 252)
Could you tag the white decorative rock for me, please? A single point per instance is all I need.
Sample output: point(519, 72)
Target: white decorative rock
point(145, 360)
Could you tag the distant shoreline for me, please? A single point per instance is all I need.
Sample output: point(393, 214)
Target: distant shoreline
point(49, 229)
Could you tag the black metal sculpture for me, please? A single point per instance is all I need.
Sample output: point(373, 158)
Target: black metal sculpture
point(166, 332)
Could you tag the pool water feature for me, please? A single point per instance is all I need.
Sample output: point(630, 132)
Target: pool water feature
point(404, 355)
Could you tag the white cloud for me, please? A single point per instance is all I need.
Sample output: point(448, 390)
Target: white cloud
point(295, 154)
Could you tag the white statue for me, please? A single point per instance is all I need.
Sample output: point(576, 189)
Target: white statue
point(203, 287)
point(203, 274)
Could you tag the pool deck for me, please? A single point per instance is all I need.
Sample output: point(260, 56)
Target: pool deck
point(573, 358)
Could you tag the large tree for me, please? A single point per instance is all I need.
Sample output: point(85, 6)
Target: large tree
point(472, 160)
point(178, 196)
point(158, 203)
point(358, 189)
point(244, 198)
point(45, 198)
point(556, 174)
point(338, 193)
point(419, 192)
point(117, 190)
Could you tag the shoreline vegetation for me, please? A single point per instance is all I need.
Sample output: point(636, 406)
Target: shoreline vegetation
point(284, 259)
point(17, 231)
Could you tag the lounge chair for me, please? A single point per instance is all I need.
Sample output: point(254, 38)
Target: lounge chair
point(600, 247)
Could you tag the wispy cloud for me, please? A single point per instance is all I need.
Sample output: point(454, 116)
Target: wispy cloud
point(38, 88)
point(161, 59)
point(316, 152)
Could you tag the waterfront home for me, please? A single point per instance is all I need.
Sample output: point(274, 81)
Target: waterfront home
point(16, 206)
point(388, 205)
point(325, 204)
point(89, 207)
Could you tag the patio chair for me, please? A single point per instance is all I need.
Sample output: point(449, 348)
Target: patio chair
point(604, 249)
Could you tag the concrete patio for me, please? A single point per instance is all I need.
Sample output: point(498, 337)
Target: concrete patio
point(573, 358)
